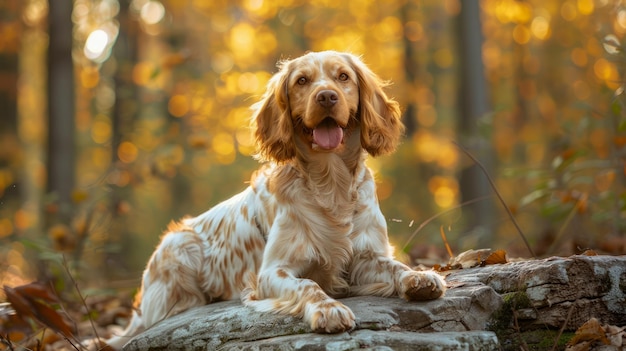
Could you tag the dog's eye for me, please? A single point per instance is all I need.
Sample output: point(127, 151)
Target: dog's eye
point(302, 81)
point(343, 77)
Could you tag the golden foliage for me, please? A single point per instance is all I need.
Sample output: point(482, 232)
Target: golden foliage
point(164, 89)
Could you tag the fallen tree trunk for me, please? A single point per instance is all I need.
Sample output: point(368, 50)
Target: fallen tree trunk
point(485, 308)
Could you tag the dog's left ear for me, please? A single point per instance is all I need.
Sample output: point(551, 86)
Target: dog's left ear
point(381, 127)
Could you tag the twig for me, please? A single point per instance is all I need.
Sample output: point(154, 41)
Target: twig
point(493, 186)
point(82, 299)
point(558, 336)
point(71, 343)
point(524, 345)
point(561, 231)
point(7, 341)
point(433, 217)
point(82, 235)
point(445, 242)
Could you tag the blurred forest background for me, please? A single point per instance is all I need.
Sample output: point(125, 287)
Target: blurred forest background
point(117, 116)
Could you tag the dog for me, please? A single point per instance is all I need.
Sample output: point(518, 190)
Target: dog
point(308, 228)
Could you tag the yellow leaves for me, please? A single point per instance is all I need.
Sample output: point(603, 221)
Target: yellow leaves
point(246, 41)
point(389, 29)
point(413, 31)
point(178, 105)
point(585, 7)
point(166, 162)
point(223, 144)
point(606, 71)
point(143, 73)
point(241, 40)
point(569, 11)
point(6, 179)
point(443, 57)
point(512, 11)
point(540, 27)
point(248, 83)
point(579, 57)
point(521, 34)
point(264, 8)
point(127, 152)
point(62, 237)
point(444, 190)
point(492, 54)
point(621, 20)
point(431, 148)
point(245, 141)
point(6, 227)
point(79, 195)
point(343, 37)
point(101, 129)
point(89, 76)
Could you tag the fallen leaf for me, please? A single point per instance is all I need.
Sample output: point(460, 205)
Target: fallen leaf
point(37, 290)
point(496, 257)
point(18, 302)
point(32, 301)
point(51, 318)
point(589, 252)
point(470, 258)
point(616, 335)
point(591, 331)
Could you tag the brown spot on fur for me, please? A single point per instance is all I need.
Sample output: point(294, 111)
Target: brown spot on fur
point(313, 293)
point(237, 252)
point(218, 229)
point(280, 273)
point(244, 213)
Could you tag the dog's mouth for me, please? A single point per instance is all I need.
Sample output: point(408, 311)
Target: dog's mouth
point(327, 135)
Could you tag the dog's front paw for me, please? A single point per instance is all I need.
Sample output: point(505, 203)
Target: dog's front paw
point(330, 316)
point(418, 286)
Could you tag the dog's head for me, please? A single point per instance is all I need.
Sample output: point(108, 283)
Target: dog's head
point(321, 98)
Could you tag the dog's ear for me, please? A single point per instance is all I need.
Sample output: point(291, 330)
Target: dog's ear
point(273, 128)
point(381, 127)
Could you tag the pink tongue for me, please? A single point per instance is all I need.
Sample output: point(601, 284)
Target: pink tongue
point(327, 135)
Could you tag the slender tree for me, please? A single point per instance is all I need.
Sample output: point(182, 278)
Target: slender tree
point(473, 106)
point(60, 163)
point(9, 144)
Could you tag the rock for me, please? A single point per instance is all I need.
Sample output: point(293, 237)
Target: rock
point(544, 291)
point(377, 340)
point(380, 321)
point(529, 295)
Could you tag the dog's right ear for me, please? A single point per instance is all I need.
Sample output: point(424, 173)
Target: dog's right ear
point(273, 128)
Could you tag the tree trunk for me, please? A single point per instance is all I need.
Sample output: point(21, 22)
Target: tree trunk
point(10, 147)
point(60, 165)
point(473, 106)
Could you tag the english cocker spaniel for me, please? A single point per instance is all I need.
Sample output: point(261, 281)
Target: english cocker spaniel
point(308, 229)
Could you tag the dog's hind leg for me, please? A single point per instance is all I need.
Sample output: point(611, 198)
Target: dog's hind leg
point(170, 285)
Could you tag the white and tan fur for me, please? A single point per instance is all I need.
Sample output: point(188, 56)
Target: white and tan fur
point(308, 229)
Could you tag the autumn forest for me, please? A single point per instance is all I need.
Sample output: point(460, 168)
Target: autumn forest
point(118, 116)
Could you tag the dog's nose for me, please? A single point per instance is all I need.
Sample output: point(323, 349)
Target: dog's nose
point(327, 98)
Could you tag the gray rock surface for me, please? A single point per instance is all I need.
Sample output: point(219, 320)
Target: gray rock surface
point(545, 290)
point(539, 293)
